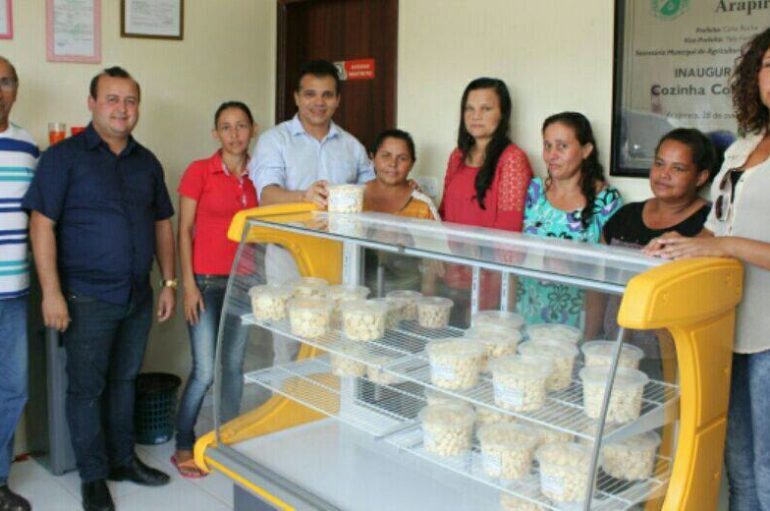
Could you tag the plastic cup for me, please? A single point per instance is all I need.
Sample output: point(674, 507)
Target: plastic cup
point(344, 293)
point(554, 331)
point(57, 131)
point(433, 311)
point(562, 355)
point(519, 382)
point(499, 318)
point(363, 320)
point(343, 365)
point(631, 459)
point(346, 198)
point(626, 398)
point(497, 340)
point(507, 449)
point(455, 363)
point(309, 287)
point(409, 300)
point(268, 301)
point(395, 310)
point(564, 469)
point(447, 429)
point(599, 353)
point(309, 317)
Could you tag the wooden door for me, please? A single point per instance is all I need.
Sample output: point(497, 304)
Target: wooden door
point(341, 30)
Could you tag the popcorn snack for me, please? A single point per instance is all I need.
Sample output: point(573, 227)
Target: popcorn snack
point(309, 287)
point(395, 310)
point(408, 300)
point(447, 429)
point(363, 320)
point(455, 363)
point(626, 398)
point(504, 319)
point(631, 459)
point(433, 311)
point(561, 354)
point(268, 301)
point(309, 317)
point(507, 449)
point(345, 366)
point(376, 374)
point(346, 198)
point(519, 382)
point(486, 415)
point(497, 340)
point(344, 293)
point(509, 502)
point(435, 397)
point(599, 353)
point(554, 436)
point(554, 331)
point(564, 469)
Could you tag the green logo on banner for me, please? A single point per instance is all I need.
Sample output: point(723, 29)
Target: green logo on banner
point(669, 9)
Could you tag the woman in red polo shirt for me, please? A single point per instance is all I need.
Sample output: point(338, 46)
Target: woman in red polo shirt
point(210, 193)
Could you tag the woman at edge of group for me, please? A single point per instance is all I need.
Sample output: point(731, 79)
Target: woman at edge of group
point(684, 162)
point(485, 183)
point(573, 202)
point(737, 227)
point(211, 191)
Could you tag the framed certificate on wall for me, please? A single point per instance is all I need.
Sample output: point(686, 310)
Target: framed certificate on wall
point(73, 31)
point(673, 61)
point(152, 19)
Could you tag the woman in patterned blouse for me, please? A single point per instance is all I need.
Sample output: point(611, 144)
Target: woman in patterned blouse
point(486, 181)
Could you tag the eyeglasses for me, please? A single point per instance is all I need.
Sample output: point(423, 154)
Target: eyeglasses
point(8, 84)
point(723, 204)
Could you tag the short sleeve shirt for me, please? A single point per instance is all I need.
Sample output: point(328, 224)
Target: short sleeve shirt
point(219, 196)
point(627, 227)
point(105, 206)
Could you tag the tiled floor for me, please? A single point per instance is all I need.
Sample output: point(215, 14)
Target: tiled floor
point(51, 493)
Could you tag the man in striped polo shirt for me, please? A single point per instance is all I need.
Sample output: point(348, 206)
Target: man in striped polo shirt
point(18, 158)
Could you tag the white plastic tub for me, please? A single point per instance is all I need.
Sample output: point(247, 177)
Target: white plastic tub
point(599, 353)
point(554, 331)
point(519, 382)
point(309, 317)
point(363, 320)
point(564, 469)
point(347, 198)
point(447, 429)
point(507, 449)
point(631, 459)
point(504, 319)
point(626, 398)
point(561, 354)
point(408, 301)
point(433, 311)
point(497, 340)
point(310, 287)
point(268, 301)
point(455, 363)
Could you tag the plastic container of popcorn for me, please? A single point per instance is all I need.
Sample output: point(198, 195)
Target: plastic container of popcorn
point(346, 198)
point(497, 340)
point(309, 317)
point(486, 415)
point(599, 353)
point(564, 471)
point(409, 302)
point(455, 363)
point(433, 311)
point(527, 496)
point(344, 293)
point(347, 362)
point(561, 354)
point(309, 287)
point(436, 397)
point(395, 311)
point(554, 436)
point(499, 318)
point(626, 397)
point(507, 449)
point(519, 382)
point(378, 375)
point(447, 429)
point(554, 331)
point(268, 301)
point(631, 459)
point(363, 320)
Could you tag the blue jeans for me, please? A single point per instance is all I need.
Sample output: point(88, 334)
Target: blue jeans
point(13, 375)
point(747, 454)
point(203, 344)
point(105, 346)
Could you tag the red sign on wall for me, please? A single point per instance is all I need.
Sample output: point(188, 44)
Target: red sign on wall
point(359, 69)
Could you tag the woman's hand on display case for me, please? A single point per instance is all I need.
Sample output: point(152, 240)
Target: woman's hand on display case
point(55, 312)
point(317, 194)
point(193, 304)
point(676, 246)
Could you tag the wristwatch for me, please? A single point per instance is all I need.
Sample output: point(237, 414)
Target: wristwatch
point(172, 283)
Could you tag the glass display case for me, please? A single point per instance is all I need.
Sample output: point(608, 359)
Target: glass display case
point(383, 370)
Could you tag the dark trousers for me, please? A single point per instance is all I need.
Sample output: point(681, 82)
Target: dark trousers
point(105, 346)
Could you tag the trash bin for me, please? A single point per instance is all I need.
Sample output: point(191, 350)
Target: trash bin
point(155, 407)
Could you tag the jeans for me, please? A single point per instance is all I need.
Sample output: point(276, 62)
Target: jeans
point(105, 346)
point(747, 454)
point(13, 375)
point(203, 344)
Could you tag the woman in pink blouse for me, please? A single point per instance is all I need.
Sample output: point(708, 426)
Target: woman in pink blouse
point(486, 179)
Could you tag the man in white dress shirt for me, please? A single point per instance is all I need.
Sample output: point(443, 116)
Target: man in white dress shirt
point(296, 161)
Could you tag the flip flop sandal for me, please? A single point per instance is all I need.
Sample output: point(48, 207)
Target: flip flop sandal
point(188, 469)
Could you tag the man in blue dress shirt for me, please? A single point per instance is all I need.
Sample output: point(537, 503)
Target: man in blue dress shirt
point(296, 161)
point(100, 212)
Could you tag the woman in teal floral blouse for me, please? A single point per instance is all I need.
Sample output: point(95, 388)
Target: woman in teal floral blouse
point(573, 202)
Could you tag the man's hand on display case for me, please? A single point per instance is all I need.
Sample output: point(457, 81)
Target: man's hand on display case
point(317, 194)
point(55, 312)
point(193, 304)
point(166, 303)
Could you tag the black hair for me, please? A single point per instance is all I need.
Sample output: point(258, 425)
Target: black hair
point(704, 156)
point(113, 72)
point(751, 113)
point(500, 138)
point(394, 133)
point(319, 69)
point(233, 104)
point(591, 171)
